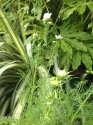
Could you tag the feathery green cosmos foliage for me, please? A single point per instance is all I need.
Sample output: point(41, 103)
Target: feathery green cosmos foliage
point(34, 36)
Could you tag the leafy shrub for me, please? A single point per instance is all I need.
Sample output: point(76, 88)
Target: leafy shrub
point(32, 35)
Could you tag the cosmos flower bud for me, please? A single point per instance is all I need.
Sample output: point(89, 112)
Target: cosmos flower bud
point(54, 81)
point(47, 16)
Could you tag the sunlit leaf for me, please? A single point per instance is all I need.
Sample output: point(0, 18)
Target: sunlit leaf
point(90, 5)
point(81, 9)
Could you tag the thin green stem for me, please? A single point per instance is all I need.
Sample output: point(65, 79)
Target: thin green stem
point(87, 17)
point(81, 107)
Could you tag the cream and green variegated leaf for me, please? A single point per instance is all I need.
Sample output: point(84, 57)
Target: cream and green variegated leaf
point(12, 34)
point(18, 102)
point(8, 66)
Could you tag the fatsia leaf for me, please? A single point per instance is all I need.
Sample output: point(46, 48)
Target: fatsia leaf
point(76, 60)
point(89, 43)
point(67, 65)
point(77, 45)
point(90, 5)
point(90, 25)
point(83, 36)
point(81, 9)
point(68, 12)
point(64, 59)
point(66, 62)
point(90, 50)
point(66, 47)
point(86, 59)
point(78, 35)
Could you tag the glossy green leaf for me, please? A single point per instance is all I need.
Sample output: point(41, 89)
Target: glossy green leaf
point(66, 62)
point(76, 60)
point(86, 59)
point(77, 45)
point(90, 25)
point(78, 35)
point(66, 47)
point(90, 50)
point(83, 36)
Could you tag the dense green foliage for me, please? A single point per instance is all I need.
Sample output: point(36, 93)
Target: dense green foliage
point(38, 38)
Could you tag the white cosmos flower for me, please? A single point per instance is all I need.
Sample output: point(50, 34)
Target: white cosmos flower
point(62, 73)
point(58, 36)
point(47, 16)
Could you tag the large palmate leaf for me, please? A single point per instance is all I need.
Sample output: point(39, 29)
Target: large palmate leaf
point(77, 45)
point(79, 6)
point(66, 61)
point(86, 59)
point(73, 31)
point(78, 35)
point(76, 60)
point(90, 50)
point(66, 47)
point(68, 12)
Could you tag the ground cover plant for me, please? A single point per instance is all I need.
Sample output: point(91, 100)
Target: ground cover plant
point(43, 44)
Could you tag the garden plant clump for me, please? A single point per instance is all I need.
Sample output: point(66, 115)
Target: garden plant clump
point(46, 60)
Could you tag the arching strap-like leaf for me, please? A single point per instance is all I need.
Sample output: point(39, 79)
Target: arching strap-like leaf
point(8, 66)
point(12, 34)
